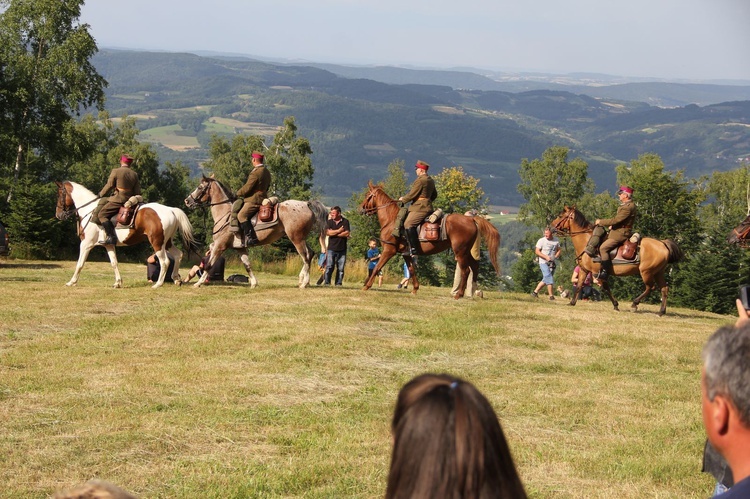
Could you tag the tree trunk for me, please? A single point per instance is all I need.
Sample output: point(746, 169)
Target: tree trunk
point(16, 172)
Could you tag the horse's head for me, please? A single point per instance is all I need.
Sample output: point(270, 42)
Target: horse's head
point(570, 221)
point(65, 206)
point(740, 235)
point(374, 199)
point(201, 195)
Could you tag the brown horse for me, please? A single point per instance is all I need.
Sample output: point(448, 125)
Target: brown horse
point(740, 235)
point(461, 232)
point(655, 255)
point(296, 220)
point(154, 223)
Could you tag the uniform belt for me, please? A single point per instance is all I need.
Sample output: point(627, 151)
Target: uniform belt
point(422, 199)
point(122, 190)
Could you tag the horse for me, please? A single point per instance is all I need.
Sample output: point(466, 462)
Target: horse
point(153, 222)
point(461, 232)
point(740, 235)
point(655, 255)
point(296, 219)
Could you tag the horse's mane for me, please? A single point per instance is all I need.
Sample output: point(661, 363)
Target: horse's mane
point(228, 193)
point(80, 187)
point(580, 219)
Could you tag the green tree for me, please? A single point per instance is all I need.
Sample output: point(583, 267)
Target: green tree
point(47, 76)
point(458, 192)
point(667, 202)
point(550, 183)
point(290, 164)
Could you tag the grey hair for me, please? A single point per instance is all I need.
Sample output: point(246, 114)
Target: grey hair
point(726, 363)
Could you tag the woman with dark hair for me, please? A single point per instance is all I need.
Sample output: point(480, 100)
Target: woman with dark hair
point(447, 442)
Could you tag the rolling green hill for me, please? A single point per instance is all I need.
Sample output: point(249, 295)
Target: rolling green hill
point(357, 126)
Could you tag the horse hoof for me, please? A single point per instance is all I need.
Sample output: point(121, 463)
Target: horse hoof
point(117, 285)
point(634, 308)
point(571, 304)
point(70, 284)
point(197, 285)
point(178, 283)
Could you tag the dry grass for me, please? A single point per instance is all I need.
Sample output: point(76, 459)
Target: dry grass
point(225, 391)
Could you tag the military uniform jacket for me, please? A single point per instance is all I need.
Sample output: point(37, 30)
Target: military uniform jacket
point(256, 187)
point(423, 187)
point(125, 181)
point(622, 223)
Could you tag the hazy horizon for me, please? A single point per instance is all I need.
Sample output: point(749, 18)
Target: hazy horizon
point(668, 39)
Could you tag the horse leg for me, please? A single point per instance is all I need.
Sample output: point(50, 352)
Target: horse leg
point(306, 253)
point(113, 260)
point(638, 299)
point(251, 277)
point(662, 283)
point(177, 257)
point(388, 251)
point(608, 290)
point(161, 255)
point(86, 245)
point(413, 274)
point(465, 262)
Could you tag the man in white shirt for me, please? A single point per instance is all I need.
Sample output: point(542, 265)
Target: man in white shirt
point(548, 250)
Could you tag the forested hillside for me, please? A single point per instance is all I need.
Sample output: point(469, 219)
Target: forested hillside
point(357, 126)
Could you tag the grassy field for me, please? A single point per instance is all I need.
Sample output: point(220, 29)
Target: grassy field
point(225, 391)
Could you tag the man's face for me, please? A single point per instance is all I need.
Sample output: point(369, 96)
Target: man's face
point(335, 214)
point(624, 196)
point(548, 234)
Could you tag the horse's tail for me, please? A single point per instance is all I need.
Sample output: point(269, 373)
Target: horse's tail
point(675, 253)
point(492, 237)
point(186, 231)
point(320, 213)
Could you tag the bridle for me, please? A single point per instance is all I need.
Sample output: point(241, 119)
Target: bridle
point(742, 240)
point(67, 209)
point(367, 205)
point(203, 189)
point(565, 224)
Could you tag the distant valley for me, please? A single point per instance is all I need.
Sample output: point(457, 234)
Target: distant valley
point(359, 119)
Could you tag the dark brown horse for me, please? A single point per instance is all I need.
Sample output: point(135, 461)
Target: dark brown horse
point(740, 235)
point(461, 232)
point(154, 223)
point(296, 220)
point(655, 255)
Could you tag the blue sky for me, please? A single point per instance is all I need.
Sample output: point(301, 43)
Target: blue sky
point(672, 39)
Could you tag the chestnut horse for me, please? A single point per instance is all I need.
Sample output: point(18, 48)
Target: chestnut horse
point(655, 255)
point(461, 232)
point(296, 220)
point(740, 235)
point(153, 222)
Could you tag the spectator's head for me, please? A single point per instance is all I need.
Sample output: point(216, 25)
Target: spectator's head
point(335, 212)
point(372, 242)
point(725, 394)
point(257, 157)
point(548, 232)
point(95, 489)
point(447, 442)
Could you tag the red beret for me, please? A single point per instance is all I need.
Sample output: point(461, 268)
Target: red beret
point(625, 188)
point(421, 164)
point(126, 159)
point(257, 155)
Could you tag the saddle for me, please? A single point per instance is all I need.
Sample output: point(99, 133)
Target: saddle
point(627, 252)
point(433, 228)
point(126, 215)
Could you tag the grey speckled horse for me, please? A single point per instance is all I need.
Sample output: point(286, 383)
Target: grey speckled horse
point(296, 220)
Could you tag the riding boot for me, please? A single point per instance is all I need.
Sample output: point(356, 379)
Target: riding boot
point(250, 238)
point(399, 223)
point(413, 237)
point(606, 270)
point(109, 229)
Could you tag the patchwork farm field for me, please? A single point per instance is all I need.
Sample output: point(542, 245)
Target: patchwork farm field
point(227, 391)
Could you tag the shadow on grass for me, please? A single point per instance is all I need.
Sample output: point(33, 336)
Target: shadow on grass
point(37, 266)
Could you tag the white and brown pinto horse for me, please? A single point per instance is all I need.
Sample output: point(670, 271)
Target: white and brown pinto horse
point(461, 232)
point(154, 223)
point(296, 219)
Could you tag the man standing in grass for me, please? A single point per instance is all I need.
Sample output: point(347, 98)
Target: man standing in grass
point(338, 233)
point(548, 250)
point(725, 399)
